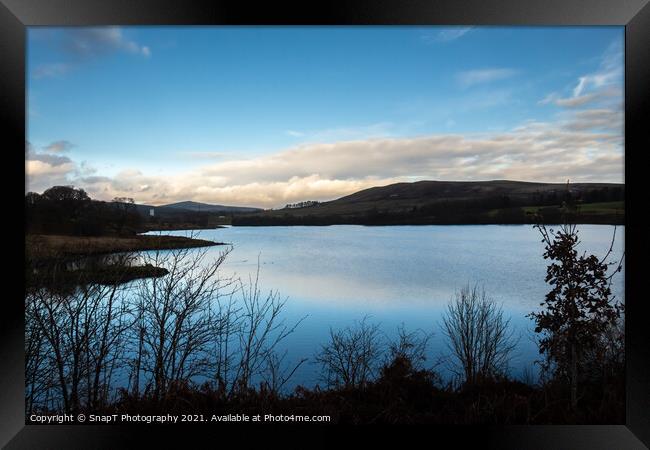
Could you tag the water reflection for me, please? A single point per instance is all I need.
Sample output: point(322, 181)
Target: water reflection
point(400, 274)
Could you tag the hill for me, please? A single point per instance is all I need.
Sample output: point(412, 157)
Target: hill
point(205, 207)
point(188, 215)
point(189, 206)
point(455, 202)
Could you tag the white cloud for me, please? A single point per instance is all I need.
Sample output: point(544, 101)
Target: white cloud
point(53, 70)
point(380, 129)
point(81, 44)
point(59, 146)
point(550, 98)
point(203, 155)
point(602, 88)
point(43, 172)
point(575, 101)
point(610, 72)
point(93, 42)
point(446, 35)
point(480, 76)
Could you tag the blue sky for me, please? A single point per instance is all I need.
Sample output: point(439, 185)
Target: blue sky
point(269, 115)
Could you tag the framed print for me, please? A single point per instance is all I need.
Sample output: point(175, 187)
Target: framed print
point(272, 221)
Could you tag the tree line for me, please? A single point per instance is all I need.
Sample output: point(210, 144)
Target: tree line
point(495, 209)
point(70, 211)
point(67, 210)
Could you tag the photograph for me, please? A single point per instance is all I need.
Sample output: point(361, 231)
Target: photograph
point(332, 224)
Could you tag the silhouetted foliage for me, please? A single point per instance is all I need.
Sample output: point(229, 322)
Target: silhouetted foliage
point(351, 357)
point(578, 310)
point(74, 340)
point(411, 346)
point(125, 214)
point(479, 336)
point(69, 211)
point(161, 333)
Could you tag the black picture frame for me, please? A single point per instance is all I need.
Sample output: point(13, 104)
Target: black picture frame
point(16, 15)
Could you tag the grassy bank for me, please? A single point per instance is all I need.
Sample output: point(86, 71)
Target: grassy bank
point(60, 280)
point(48, 257)
point(177, 227)
point(43, 246)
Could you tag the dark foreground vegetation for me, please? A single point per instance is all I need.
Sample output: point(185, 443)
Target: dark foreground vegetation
point(455, 203)
point(399, 395)
point(193, 342)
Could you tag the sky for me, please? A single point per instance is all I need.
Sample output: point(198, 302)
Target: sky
point(265, 116)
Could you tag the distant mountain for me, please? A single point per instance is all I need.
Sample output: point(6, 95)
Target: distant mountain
point(205, 207)
point(190, 212)
point(454, 202)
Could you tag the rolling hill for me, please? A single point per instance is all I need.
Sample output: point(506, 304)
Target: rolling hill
point(205, 207)
point(188, 215)
point(175, 209)
point(454, 202)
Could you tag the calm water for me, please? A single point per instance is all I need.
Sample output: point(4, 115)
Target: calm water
point(397, 274)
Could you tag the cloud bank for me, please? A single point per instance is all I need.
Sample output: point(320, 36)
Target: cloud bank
point(583, 145)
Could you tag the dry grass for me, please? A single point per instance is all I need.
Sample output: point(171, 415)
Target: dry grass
point(41, 246)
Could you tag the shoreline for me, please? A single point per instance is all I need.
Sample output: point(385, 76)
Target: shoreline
point(44, 253)
point(183, 227)
point(41, 247)
point(406, 224)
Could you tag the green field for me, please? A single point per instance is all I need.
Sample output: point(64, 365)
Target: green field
point(617, 207)
point(604, 208)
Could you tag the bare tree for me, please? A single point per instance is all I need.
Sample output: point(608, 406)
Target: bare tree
point(175, 314)
point(159, 332)
point(224, 330)
point(195, 322)
point(73, 342)
point(278, 372)
point(39, 372)
point(410, 346)
point(479, 336)
point(351, 356)
point(260, 331)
